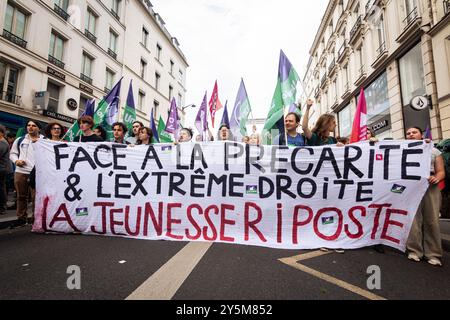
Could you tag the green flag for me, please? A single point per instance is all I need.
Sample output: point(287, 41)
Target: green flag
point(129, 113)
point(164, 137)
point(284, 97)
point(108, 110)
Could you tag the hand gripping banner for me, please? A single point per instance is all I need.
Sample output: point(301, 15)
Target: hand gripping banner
point(305, 198)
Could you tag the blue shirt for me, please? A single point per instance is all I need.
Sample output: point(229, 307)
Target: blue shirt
point(297, 141)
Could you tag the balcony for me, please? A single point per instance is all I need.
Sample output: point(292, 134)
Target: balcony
point(61, 12)
point(362, 75)
point(356, 29)
point(11, 98)
point(317, 92)
point(343, 51)
point(323, 82)
point(85, 78)
point(411, 24)
point(346, 93)
point(90, 36)
point(332, 68)
point(56, 62)
point(446, 7)
point(112, 54)
point(14, 39)
point(335, 104)
point(115, 14)
point(382, 54)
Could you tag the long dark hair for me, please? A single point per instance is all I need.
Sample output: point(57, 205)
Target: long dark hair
point(322, 126)
point(48, 130)
point(149, 133)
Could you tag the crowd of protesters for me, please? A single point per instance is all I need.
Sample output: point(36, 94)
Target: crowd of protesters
point(17, 161)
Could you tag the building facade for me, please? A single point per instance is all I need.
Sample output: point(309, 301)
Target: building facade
point(55, 55)
point(398, 51)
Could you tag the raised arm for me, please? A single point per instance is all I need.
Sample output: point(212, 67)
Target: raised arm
point(305, 123)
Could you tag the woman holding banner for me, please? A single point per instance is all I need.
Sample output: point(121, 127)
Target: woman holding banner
point(425, 237)
point(145, 136)
point(320, 135)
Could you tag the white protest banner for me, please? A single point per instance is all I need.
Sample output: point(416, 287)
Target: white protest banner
point(305, 198)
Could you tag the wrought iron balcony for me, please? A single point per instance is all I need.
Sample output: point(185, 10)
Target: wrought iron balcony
point(90, 36)
point(115, 14)
point(316, 92)
point(332, 66)
point(14, 39)
point(411, 17)
point(56, 62)
point(61, 12)
point(381, 49)
point(11, 98)
point(356, 27)
point(112, 54)
point(86, 78)
point(324, 80)
point(446, 7)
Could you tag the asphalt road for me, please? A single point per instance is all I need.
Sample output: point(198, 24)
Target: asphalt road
point(34, 266)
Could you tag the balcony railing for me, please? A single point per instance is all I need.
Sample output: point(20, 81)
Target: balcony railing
point(11, 98)
point(362, 71)
point(381, 49)
point(56, 62)
point(356, 27)
point(61, 12)
point(342, 49)
point(115, 14)
point(14, 39)
point(411, 17)
point(90, 36)
point(446, 7)
point(86, 78)
point(324, 79)
point(332, 65)
point(112, 54)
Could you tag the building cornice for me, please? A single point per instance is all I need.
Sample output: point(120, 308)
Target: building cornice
point(325, 20)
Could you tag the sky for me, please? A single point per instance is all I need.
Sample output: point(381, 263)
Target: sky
point(226, 40)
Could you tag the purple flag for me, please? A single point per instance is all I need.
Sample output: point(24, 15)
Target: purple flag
point(225, 119)
point(428, 134)
point(172, 122)
point(201, 122)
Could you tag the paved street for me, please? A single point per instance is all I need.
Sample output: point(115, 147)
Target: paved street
point(34, 266)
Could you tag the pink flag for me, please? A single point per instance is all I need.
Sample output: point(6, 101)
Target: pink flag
point(359, 131)
point(214, 103)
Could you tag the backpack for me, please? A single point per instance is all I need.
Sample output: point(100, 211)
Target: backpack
point(444, 148)
point(19, 144)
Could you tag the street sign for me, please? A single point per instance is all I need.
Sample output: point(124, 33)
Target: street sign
point(420, 103)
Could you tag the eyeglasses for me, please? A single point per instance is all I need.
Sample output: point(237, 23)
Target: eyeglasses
point(56, 128)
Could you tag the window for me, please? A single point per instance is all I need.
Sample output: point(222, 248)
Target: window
point(155, 109)
point(157, 79)
point(410, 5)
point(113, 41)
point(181, 75)
point(116, 6)
point(91, 20)
point(143, 68)
point(82, 107)
point(15, 21)
point(158, 52)
point(412, 75)
point(380, 36)
point(9, 76)
point(63, 4)
point(56, 46)
point(141, 100)
point(171, 66)
point(170, 93)
point(86, 68)
point(109, 79)
point(53, 91)
point(345, 124)
point(144, 37)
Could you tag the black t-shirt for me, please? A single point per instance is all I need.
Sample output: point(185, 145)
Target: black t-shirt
point(92, 138)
